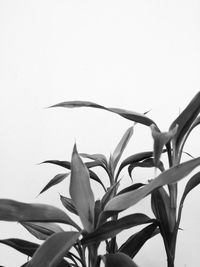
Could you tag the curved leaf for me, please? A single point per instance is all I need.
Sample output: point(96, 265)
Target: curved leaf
point(81, 192)
point(172, 175)
point(191, 184)
point(185, 119)
point(118, 260)
point(23, 246)
point(11, 210)
point(68, 204)
point(42, 230)
point(111, 228)
point(130, 115)
point(135, 242)
point(115, 157)
point(52, 251)
point(56, 180)
point(130, 188)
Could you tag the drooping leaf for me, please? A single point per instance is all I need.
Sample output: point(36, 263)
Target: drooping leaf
point(42, 230)
point(115, 157)
point(160, 140)
point(135, 242)
point(186, 119)
point(52, 251)
point(11, 210)
point(68, 204)
point(111, 228)
point(94, 177)
point(147, 163)
point(23, 246)
point(118, 260)
point(172, 175)
point(81, 192)
point(96, 157)
point(61, 163)
point(134, 159)
point(130, 115)
point(56, 180)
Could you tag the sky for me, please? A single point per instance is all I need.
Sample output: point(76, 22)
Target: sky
point(137, 55)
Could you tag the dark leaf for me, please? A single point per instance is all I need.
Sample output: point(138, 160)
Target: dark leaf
point(191, 184)
point(52, 251)
point(56, 180)
point(111, 228)
point(130, 188)
point(135, 242)
point(23, 246)
point(118, 260)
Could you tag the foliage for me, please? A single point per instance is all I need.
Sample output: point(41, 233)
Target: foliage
point(102, 220)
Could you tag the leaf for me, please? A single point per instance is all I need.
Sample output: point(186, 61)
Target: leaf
point(81, 192)
point(186, 119)
point(96, 157)
point(61, 163)
point(160, 203)
point(42, 230)
point(52, 251)
point(115, 157)
point(118, 260)
point(130, 115)
point(68, 204)
point(23, 246)
point(56, 180)
point(109, 194)
point(147, 163)
point(160, 140)
point(191, 184)
point(11, 210)
point(111, 228)
point(172, 175)
point(134, 159)
point(135, 242)
point(130, 188)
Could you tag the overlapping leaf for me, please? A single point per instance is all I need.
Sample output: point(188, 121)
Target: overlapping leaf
point(42, 230)
point(111, 228)
point(81, 192)
point(68, 204)
point(11, 210)
point(52, 251)
point(118, 260)
point(172, 175)
point(136, 241)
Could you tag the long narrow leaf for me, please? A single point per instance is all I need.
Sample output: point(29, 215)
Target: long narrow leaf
point(42, 230)
point(172, 175)
point(81, 192)
point(135, 242)
point(68, 204)
point(115, 157)
point(130, 115)
point(52, 251)
point(23, 246)
point(186, 118)
point(56, 180)
point(11, 210)
point(111, 228)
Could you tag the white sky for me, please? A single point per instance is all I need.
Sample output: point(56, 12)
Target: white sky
point(137, 55)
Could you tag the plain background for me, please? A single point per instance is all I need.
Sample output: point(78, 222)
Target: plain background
point(137, 55)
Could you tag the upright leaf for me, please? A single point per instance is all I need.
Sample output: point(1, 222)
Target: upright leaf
point(81, 192)
point(68, 204)
point(172, 175)
point(115, 157)
point(186, 119)
point(11, 210)
point(52, 251)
